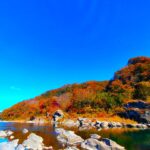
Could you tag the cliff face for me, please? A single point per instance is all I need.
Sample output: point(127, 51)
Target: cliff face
point(131, 82)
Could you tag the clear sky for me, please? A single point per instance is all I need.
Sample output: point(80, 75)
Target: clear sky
point(45, 44)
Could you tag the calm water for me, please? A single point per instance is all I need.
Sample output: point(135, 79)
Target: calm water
point(131, 139)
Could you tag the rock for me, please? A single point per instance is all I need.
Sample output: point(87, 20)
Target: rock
point(58, 115)
point(93, 144)
point(118, 124)
point(138, 111)
point(98, 124)
point(3, 134)
point(20, 147)
point(113, 145)
point(9, 145)
point(148, 125)
point(104, 124)
point(9, 133)
point(71, 148)
point(68, 137)
point(12, 137)
point(24, 131)
point(105, 144)
point(70, 123)
point(137, 104)
point(47, 147)
point(33, 142)
point(130, 125)
point(84, 122)
point(95, 136)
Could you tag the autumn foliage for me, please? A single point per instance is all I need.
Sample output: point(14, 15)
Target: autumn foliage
point(131, 82)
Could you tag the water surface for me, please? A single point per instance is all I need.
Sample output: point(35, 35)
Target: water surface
point(129, 138)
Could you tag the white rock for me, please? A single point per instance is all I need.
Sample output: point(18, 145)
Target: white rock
point(3, 134)
point(33, 142)
point(12, 137)
point(70, 123)
point(71, 148)
point(24, 131)
point(105, 144)
point(68, 137)
point(9, 133)
point(95, 136)
point(20, 147)
point(9, 145)
point(104, 124)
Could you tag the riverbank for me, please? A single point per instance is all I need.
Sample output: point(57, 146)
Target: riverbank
point(130, 138)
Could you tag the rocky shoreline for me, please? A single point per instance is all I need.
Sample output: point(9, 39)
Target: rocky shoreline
point(68, 139)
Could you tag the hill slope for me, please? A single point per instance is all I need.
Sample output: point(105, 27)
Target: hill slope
point(131, 82)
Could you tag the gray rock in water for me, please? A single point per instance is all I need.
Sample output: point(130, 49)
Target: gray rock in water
point(20, 147)
point(68, 137)
point(9, 133)
point(95, 136)
point(71, 148)
point(105, 144)
point(3, 134)
point(112, 145)
point(33, 142)
point(94, 144)
point(24, 131)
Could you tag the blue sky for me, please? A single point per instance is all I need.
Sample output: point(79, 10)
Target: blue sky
point(46, 44)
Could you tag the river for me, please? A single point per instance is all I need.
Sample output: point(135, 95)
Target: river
point(131, 139)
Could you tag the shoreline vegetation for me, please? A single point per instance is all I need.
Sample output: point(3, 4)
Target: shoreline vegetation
point(127, 95)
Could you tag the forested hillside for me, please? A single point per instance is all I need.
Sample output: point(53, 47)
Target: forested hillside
point(131, 82)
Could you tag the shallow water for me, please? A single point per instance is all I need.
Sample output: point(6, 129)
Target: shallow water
point(131, 139)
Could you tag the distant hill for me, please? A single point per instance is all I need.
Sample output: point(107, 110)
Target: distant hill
point(131, 82)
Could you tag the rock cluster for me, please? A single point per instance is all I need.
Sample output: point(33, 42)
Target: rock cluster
point(85, 124)
point(33, 142)
point(74, 142)
point(138, 111)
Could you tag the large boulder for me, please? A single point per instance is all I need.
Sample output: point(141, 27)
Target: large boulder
point(58, 115)
point(112, 145)
point(68, 138)
point(137, 110)
point(33, 142)
point(105, 144)
point(9, 145)
point(94, 144)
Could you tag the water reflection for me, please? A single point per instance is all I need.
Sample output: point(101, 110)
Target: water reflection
point(132, 139)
